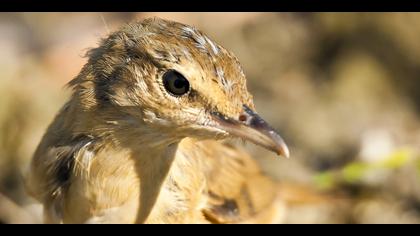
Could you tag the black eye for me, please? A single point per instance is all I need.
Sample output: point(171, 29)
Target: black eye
point(175, 83)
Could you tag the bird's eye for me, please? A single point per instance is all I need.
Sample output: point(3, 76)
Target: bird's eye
point(175, 83)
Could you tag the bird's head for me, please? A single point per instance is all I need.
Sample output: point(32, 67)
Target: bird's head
point(169, 79)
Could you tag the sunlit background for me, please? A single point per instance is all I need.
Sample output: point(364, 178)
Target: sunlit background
point(343, 90)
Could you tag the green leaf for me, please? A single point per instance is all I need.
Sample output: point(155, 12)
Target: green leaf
point(354, 172)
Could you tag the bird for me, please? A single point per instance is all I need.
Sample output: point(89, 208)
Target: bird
point(141, 138)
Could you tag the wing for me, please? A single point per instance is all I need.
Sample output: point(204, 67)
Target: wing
point(237, 191)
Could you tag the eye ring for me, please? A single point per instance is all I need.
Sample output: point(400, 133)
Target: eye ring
point(175, 83)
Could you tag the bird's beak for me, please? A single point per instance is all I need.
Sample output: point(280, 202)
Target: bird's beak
point(250, 126)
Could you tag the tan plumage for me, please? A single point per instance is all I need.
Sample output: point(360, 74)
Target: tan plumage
point(126, 150)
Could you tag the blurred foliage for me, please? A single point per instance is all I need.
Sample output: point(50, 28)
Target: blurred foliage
point(355, 171)
point(342, 88)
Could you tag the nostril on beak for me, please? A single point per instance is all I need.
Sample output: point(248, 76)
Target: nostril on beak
point(242, 118)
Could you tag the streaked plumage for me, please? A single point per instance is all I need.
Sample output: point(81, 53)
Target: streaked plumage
point(124, 150)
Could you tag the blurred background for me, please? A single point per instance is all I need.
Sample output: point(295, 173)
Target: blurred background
point(342, 88)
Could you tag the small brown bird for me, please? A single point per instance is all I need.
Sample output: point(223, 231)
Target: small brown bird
point(136, 142)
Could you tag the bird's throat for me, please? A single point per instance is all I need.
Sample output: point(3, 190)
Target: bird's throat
point(152, 166)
